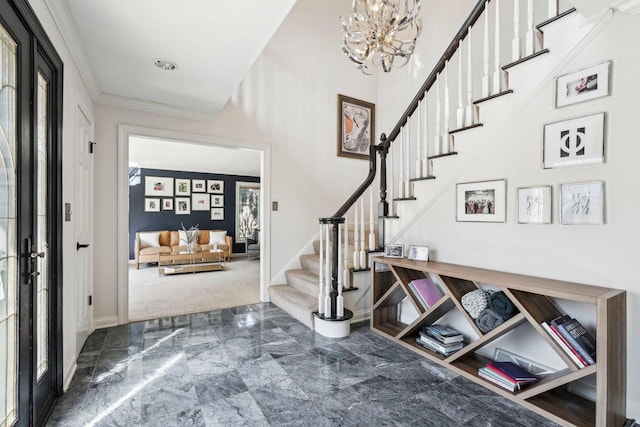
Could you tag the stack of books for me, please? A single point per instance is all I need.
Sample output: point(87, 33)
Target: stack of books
point(427, 293)
point(574, 339)
point(507, 375)
point(441, 339)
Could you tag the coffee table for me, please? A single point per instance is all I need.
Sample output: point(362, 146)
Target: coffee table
point(190, 262)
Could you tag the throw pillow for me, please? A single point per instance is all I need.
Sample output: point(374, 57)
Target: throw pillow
point(183, 237)
point(149, 240)
point(217, 237)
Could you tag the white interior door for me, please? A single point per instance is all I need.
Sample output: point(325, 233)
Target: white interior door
point(83, 217)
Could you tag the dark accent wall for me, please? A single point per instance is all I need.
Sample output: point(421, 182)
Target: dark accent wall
point(139, 220)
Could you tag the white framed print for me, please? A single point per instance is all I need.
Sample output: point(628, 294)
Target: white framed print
point(183, 206)
point(217, 214)
point(483, 201)
point(183, 187)
point(167, 204)
point(574, 142)
point(200, 202)
point(215, 186)
point(197, 186)
point(582, 203)
point(158, 186)
point(583, 85)
point(534, 205)
point(151, 204)
point(217, 201)
point(418, 253)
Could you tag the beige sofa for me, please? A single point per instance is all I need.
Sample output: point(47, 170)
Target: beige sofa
point(169, 242)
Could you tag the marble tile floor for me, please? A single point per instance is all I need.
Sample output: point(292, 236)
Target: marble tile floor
point(256, 366)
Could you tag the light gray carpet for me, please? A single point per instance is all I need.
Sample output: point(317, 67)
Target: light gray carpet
point(152, 296)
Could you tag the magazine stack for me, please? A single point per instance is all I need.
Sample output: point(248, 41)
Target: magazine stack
point(441, 339)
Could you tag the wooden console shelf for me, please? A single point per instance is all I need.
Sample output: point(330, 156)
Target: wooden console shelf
point(535, 298)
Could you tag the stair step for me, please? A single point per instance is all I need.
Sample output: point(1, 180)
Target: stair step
point(437, 156)
point(299, 305)
point(525, 59)
point(540, 26)
point(310, 263)
point(422, 178)
point(404, 199)
point(477, 125)
point(490, 97)
point(303, 280)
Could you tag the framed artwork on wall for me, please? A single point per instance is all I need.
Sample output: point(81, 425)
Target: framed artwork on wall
point(582, 203)
point(183, 206)
point(534, 205)
point(167, 204)
point(217, 214)
point(151, 205)
point(200, 202)
point(583, 85)
point(356, 127)
point(183, 187)
point(215, 186)
point(574, 142)
point(197, 185)
point(483, 201)
point(217, 201)
point(158, 186)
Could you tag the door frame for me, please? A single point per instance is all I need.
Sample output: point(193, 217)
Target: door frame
point(126, 131)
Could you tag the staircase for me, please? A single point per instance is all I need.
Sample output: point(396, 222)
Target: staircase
point(488, 86)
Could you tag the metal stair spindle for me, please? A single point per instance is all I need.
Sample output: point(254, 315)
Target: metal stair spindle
point(497, 73)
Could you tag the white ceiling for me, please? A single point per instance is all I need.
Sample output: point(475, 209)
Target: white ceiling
point(213, 42)
point(150, 153)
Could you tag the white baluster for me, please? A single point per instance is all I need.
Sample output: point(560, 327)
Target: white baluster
point(372, 235)
point(321, 276)
point(552, 8)
point(391, 182)
point(485, 55)
point(425, 138)
point(497, 72)
point(419, 141)
point(340, 303)
point(407, 162)
point(356, 251)
point(468, 114)
point(515, 43)
point(446, 136)
point(438, 139)
point(460, 111)
point(339, 272)
point(363, 253)
point(346, 274)
point(529, 37)
point(327, 274)
point(401, 194)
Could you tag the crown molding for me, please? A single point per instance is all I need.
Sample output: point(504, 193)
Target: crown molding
point(118, 101)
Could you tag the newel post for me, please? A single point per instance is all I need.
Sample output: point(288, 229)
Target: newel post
point(383, 205)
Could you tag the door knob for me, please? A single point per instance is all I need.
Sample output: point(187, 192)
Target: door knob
point(81, 245)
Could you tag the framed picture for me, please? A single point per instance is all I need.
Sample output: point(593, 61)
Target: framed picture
point(183, 187)
point(583, 85)
point(217, 201)
point(183, 206)
point(158, 186)
point(574, 142)
point(356, 127)
point(534, 205)
point(200, 202)
point(215, 186)
point(151, 205)
point(483, 201)
point(197, 186)
point(167, 204)
point(418, 253)
point(217, 214)
point(582, 203)
point(393, 251)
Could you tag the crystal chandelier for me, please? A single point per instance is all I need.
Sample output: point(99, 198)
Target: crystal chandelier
point(380, 30)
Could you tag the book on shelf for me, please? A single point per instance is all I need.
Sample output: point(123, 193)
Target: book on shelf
point(427, 293)
point(561, 341)
point(497, 381)
point(433, 345)
point(507, 375)
point(578, 337)
point(512, 370)
point(443, 333)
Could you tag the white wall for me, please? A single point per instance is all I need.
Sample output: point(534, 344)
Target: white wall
point(75, 92)
point(603, 255)
point(287, 100)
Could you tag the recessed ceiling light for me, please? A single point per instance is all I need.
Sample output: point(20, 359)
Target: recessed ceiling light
point(163, 64)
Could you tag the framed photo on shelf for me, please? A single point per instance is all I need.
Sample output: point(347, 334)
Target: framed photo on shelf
point(583, 85)
point(197, 186)
point(356, 127)
point(215, 186)
point(483, 201)
point(151, 205)
point(418, 253)
point(217, 214)
point(183, 206)
point(200, 202)
point(394, 251)
point(217, 201)
point(534, 205)
point(167, 204)
point(183, 187)
point(158, 186)
point(574, 142)
point(582, 203)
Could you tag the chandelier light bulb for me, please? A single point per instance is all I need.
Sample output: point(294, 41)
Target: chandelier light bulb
point(378, 31)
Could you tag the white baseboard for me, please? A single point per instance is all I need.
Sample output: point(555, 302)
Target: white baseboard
point(105, 322)
point(69, 371)
point(359, 316)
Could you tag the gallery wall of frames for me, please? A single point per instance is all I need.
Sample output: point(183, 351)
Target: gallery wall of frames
point(165, 200)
